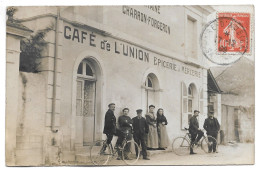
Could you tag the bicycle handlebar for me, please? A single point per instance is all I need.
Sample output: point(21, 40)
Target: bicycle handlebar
point(200, 129)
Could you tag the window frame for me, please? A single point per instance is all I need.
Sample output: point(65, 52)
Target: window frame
point(146, 83)
point(83, 76)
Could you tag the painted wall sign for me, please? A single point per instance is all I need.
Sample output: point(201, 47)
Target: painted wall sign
point(125, 49)
point(142, 17)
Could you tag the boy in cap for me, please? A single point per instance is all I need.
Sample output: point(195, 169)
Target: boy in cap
point(140, 130)
point(125, 130)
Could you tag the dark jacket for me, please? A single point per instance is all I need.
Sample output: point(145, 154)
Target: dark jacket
point(211, 125)
point(150, 120)
point(160, 119)
point(194, 125)
point(110, 123)
point(124, 123)
point(140, 126)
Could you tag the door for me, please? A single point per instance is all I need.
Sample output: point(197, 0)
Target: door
point(86, 93)
point(150, 98)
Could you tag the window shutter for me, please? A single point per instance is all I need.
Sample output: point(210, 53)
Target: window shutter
point(201, 102)
point(184, 106)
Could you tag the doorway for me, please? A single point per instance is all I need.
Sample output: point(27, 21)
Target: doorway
point(151, 91)
point(85, 103)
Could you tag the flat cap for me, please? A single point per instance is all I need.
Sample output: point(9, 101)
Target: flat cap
point(111, 104)
point(151, 106)
point(139, 110)
point(196, 111)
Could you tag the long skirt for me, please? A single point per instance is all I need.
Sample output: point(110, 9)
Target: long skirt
point(152, 137)
point(162, 136)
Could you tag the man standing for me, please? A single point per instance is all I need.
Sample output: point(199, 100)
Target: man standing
point(110, 123)
point(125, 131)
point(194, 130)
point(211, 125)
point(140, 130)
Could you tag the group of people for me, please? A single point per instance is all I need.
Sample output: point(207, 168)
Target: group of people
point(211, 125)
point(149, 131)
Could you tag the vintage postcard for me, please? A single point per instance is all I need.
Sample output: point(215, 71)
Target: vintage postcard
point(130, 85)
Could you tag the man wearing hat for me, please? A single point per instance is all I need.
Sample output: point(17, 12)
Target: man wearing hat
point(194, 130)
point(140, 130)
point(211, 125)
point(110, 124)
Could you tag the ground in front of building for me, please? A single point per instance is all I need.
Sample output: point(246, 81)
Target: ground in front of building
point(242, 153)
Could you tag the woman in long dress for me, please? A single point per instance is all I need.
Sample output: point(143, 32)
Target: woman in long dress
point(152, 137)
point(163, 138)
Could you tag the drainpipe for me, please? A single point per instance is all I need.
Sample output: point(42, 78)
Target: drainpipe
point(53, 129)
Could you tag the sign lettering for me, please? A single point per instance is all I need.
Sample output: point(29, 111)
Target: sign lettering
point(142, 17)
point(125, 49)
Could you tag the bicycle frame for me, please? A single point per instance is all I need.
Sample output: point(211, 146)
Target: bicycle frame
point(187, 136)
point(185, 142)
point(117, 150)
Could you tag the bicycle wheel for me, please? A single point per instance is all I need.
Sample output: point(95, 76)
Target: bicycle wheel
point(98, 155)
point(208, 143)
point(181, 146)
point(130, 152)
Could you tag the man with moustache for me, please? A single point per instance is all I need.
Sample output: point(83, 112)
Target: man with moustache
point(140, 131)
point(195, 132)
point(110, 124)
point(211, 125)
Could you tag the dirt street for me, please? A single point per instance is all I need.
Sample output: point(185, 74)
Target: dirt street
point(228, 154)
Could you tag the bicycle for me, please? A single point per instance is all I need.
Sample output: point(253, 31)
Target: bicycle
point(181, 145)
point(130, 152)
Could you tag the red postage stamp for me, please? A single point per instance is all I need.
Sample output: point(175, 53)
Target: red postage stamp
point(233, 33)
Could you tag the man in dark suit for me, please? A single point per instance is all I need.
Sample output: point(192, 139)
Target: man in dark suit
point(140, 130)
point(195, 132)
point(110, 124)
point(211, 125)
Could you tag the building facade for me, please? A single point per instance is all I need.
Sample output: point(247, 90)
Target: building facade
point(133, 56)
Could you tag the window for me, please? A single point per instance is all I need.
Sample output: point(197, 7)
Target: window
point(150, 90)
point(88, 70)
point(80, 69)
point(190, 106)
point(148, 82)
point(190, 91)
point(190, 103)
point(191, 37)
point(85, 70)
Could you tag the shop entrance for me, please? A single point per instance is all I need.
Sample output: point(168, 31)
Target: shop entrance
point(85, 103)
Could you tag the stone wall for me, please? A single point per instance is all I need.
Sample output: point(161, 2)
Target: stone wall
point(237, 124)
point(31, 119)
